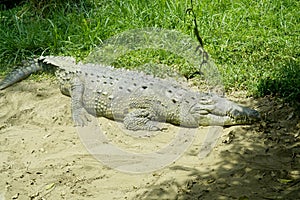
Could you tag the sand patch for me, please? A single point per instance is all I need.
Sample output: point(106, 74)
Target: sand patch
point(43, 157)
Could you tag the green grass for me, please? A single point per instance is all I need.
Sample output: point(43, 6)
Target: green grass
point(255, 44)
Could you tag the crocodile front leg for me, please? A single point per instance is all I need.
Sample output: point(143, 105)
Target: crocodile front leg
point(80, 116)
point(140, 119)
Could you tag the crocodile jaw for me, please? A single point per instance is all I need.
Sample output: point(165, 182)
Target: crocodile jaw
point(216, 120)
point(233, 114)
point(222, 112)
point(243, 115)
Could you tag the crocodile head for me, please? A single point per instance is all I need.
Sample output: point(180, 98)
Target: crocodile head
point(222, 112)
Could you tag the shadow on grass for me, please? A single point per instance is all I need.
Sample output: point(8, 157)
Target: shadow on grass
point(262, 161)
point(283, 82)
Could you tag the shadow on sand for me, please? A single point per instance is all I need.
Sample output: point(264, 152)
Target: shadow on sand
point(262, 162)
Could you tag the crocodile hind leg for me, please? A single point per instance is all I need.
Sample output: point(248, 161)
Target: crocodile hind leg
point(140, 119)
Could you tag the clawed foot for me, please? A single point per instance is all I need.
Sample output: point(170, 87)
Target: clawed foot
point(81, 117)
point(140, 119)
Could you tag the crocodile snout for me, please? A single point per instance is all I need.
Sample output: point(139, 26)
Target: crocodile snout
point(244, 115)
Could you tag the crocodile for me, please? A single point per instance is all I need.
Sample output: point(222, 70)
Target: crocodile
point(139, 100)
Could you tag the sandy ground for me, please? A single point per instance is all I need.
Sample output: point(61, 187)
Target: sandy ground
point(43, 156)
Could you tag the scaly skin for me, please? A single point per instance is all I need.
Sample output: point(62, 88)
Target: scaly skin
point(137, 99)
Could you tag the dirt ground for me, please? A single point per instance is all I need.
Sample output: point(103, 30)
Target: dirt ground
point(43, 156)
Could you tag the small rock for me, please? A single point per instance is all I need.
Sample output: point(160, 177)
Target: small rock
point(46, 136)
point(15, 196)
point(297, 134)
point(290, 116)
point(295, 174)
point(298, 125)
point(209, 181)
point(34, 195)
point(50, 186)
point(229, 138)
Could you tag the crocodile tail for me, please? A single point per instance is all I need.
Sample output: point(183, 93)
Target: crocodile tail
point(20, 74)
